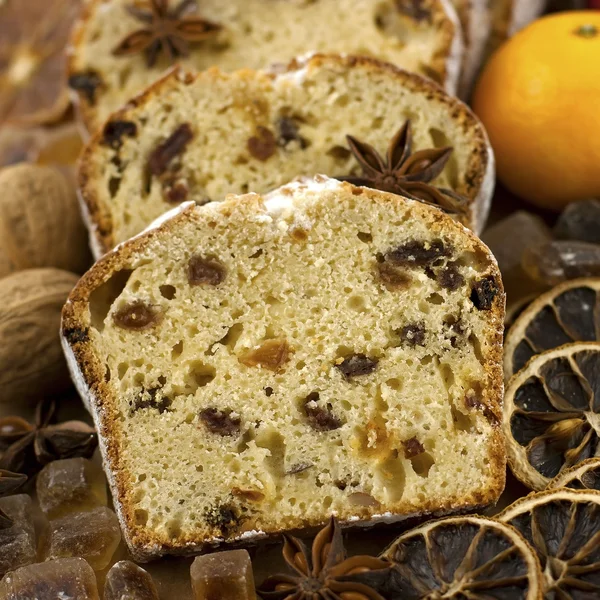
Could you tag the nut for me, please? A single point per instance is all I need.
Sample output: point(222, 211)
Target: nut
point(40, 223)
point(31, 360)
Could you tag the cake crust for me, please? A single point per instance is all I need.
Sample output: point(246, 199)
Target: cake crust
point(82, 348)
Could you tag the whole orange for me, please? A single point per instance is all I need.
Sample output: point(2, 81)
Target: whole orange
point(539, 98)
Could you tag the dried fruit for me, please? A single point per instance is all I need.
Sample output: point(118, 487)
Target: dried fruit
point(413, 334)
point(563, 527)
point(223, 575)
point(412, 448)
point(115, 130)
point(460, 557)
point(29, 446)
point(484, 292)
point(551, 410)
point(404, 173)
point(40, 220)
point(449, 277)
point(33, 35)
point(205, 270)
point(161, 157)
point(271, 354)
point(568, 313)
point(324, 574)
point(220, 422)
point(32, 363)
point(263, 144)
point(289, 132)
point(320, 418)
point(580, 221)
point(394, 278)
point(127, 581)
point(86, 84)
point(151, 398)
point(416, 253)
point(583, 476)
point(357, 365)
point(558, 261)
point(137, 316)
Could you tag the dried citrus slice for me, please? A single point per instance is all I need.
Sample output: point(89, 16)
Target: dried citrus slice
point(460, 558)
point(569, 312)
point(584, 476)
point(552, 413)
point(564, 528)
point(33, 80)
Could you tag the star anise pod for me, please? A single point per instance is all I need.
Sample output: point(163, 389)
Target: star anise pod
point(165, 30)
point(404, 173)
point(325, 574)
point(29, 446)
point(9, 482)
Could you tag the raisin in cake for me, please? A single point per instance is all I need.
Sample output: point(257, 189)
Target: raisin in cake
point(257, 364)
point(108, 66)
point(199, 137)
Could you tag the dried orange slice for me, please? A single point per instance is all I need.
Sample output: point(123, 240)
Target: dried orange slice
point(468, 557)
point(584, 476)
point(33, 80)
point(552, 413)
point(570, 312)
point(563, 526)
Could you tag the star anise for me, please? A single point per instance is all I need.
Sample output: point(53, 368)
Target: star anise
point(29, 446)
point(9, 483)
point(165, 30)
point(326, 574)
point(404, 173)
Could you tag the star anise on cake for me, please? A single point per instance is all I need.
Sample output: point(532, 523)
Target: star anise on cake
point(165, 30)
point(404, 173)
point(9, 483)
point(26, 447)
point(325, 573)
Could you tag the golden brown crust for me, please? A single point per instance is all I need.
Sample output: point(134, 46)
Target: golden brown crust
point(92, 385)
point(477, 179)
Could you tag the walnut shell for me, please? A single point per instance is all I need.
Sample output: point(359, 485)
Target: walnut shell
point(31, 359)
point(40, 222)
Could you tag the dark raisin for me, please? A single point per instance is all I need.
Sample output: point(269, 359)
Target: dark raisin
point(205, 270)
point(450, 278)
point(415, 9)
point(75, 335)
point(418, 254)
point(356, 365)
point(268, 391)
point(137, 316)
point(473, 400)
point(413, 334)
point(320, 419)
point(148, 398)
point(262, 145)
point(173, 146)
point(114, 131)
point(413, 447)
point(87, 83)
point(175, 189)
point(220, 422)
point(392, 277)
point(483, 293)
point(224, 517)
point(288, 132)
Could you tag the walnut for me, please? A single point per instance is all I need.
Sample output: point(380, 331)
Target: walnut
point(32, 360)
point(40, 222)
point(271, 354)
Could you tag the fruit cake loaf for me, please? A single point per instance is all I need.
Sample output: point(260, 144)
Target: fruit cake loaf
point(257, 364)
point(113, 56)
point(199, 137)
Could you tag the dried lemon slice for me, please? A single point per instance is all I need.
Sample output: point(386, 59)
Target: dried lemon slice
point(564, 528)
point(33, 80)
point(552, 413)
point(570, 312)
point(468, 557)
point(584, 476)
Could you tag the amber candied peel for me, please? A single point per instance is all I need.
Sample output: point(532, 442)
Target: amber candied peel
point(552, 413)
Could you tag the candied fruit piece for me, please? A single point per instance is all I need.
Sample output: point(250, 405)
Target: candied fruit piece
point(580, 221)
point(558, 261)
point(64, 579)
point(127, 581)
point(137, 316)
point(70, 485)
point(262, 145)
point(223, 576)
point(92, 535)
point(271, 354)
point(205, 270)
point(508, 239)
point(17, 542)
